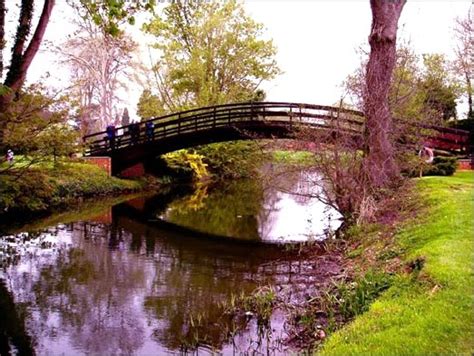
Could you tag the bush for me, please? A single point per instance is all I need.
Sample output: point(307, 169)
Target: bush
point(32, 191)
point(186, 164)
point(441, 166)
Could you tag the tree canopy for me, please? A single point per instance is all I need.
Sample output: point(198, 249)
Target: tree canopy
point(100, 64)
point(422, 89)
point(211, 53)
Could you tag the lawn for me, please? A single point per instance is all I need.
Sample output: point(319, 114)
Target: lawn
point(430, 312)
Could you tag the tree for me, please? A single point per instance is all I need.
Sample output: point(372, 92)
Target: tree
point(100, 63)
point(125, 117)
point(211, 53)
point(440, 87)
point(464, 33)
point(417, 93)
point(107, 14)
point(149, 105)
point(37, 125)
point(380, 163)
point(22, 54)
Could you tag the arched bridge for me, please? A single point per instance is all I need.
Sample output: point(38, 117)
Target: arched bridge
point(136, 143)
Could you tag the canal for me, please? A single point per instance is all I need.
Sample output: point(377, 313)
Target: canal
point(152, 274)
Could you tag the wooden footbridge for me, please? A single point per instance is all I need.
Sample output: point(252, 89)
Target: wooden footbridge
point(135, 143)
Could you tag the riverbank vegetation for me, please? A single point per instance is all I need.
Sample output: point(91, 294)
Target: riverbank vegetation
point(427, 307)
point(46, 186)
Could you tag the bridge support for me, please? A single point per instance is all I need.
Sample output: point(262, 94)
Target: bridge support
point(156, 166)
point(135, 171)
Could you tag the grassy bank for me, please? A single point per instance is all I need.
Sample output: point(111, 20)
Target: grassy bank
point(428, 310)
point(45, 187)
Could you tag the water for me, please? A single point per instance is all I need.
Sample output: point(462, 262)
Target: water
point(281, 208)
point(129, 279)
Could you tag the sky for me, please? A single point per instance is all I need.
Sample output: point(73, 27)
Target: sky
point(317, 43)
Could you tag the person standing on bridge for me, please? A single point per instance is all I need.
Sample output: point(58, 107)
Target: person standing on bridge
point(150, 130)
point(110, 130)
point(134, 132)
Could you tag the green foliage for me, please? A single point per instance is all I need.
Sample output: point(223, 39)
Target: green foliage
point(440, 87)
point(187, 164)
point(261, 302)
point(111, 14)
point(36, 125)
point(417, 93)
point(441, 166)
point(302, 158)
point(231, 160)
point(149, 105)
point(211, 54)
point(30, 192)
point(39, 189)
point(223, 212)
point(352, 299)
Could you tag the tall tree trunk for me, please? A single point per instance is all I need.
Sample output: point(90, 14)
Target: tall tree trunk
point(469, 96)
point(21, 60)
point(2, 34)
point(380, 160)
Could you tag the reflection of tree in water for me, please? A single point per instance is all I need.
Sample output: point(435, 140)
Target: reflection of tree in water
point(191, 278)
point(12, 325)
point(248, 209)
point(107, 288)
point(278, 180)
point(228, 210)
point(80, 292)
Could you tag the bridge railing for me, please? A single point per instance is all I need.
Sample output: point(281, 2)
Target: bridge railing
point(227, 115)
point(240, 115)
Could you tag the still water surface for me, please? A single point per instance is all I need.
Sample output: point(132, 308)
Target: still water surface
point(127, 280)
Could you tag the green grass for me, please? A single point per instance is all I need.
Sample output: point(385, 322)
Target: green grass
point(429, 312)
point(293, 157)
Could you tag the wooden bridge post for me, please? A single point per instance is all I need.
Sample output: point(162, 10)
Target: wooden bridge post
point(291, 118)
point(179, 123)
point(214, 118)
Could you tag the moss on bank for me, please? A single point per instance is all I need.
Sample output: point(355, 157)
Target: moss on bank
point(42, 188)
point(428, 310)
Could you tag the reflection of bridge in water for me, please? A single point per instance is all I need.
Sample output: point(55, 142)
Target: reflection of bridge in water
point(136, 143)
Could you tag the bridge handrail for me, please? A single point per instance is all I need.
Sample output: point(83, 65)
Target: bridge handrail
point(233, 114)
point(254, 105)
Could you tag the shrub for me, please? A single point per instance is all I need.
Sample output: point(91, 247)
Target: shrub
point(441, 166)
point(186, 164)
